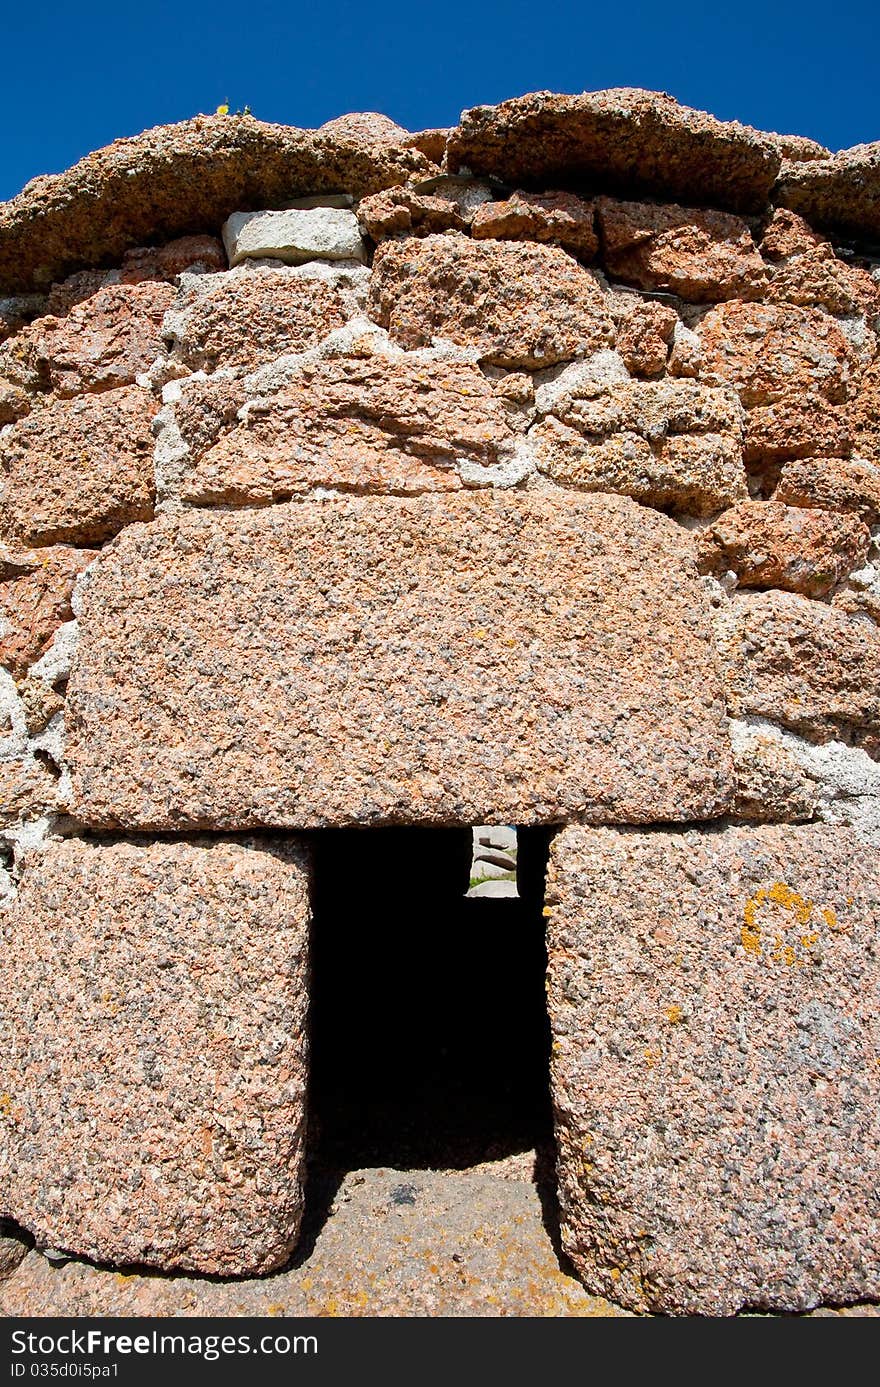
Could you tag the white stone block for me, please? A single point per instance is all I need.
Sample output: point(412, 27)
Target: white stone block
point(294, 236)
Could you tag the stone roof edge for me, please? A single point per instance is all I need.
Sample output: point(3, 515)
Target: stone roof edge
point(188, 177)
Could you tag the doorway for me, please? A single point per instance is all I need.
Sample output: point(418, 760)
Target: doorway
point(429, 1033)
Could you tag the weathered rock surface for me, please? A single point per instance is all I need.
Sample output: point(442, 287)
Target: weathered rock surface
point(772, 784)
point(204, 253)
point(518, 305)
point(799, 148)
point(14, 402)
point(714, 1065)
point(802, 664)
point(373, 424)
point(13, 1250)
point(665, 443)
point(770, 545)
point(703, 256)
point(28, 790)
point(558, 218)
point(104, 341)
point(394, 1243)
point(432, 143)
point(198, 254)
point(294, 236)
point(695, 473)
point(404, 212)
point(35, 591)
point(645, 333)
point(250, 317)
point(838, 484)
point(818, 279)
point(153, 1056)
point(624, 137)
point(842, 192)
point(788, 234)
point(178, 179)
point(798, 426)
point(198, 701)
point(370, 128)
point(78, 470)
point(772, 351)
point(17, 310)
point(864, 414)
point(781, 776)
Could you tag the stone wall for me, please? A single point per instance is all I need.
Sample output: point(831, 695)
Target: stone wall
point(523, 473)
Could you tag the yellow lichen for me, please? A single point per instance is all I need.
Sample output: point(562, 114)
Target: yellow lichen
point(801, 908)
point(674, 1014)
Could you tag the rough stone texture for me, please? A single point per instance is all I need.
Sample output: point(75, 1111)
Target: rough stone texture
point(842, 192)
point(79, 470)
point(374, 424)
point(28, 790)
point(394, 1243)
point(250, 317)
point(714, 1072)
point(769, 352)
point(697, 474)
point(645, 332)
point(818, 279)
point(432, 143)
point(864, 414)
point(625, 137)
point(78, 287)
point(495, 657)
point(294, 236)
point(14, 403)
point(177, 179)
point(167, 262)
point(104, 341)
point(199, 254)
point(782, 776)
point(370, 128)
point(518, 305)
point(798, 148)
point(669, 443)
point(703, 256)
point(18, 310)
point(864, 602)
point(176, 974)
point(35, 590)
point(39, 701)
point(836, 484)
point(788, 234)
point(802, 664)
point(559, 218)
point(403, 212)
point(467, 192)
point(770, 545)
point(772, 783)
point(798, 426)
point(13, 1251)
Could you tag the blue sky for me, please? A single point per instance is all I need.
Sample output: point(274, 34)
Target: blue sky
point(75, 77)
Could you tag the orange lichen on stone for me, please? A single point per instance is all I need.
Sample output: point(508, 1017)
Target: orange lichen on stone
point(803, 910)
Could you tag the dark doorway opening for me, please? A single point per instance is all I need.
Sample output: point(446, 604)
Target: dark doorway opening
point(429, 1034)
